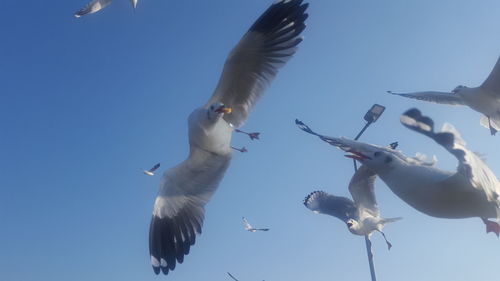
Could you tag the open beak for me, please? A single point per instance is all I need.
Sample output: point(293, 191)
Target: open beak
point(223, 109)
point(356, 155)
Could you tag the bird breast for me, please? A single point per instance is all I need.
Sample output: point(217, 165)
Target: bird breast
point(212, 135)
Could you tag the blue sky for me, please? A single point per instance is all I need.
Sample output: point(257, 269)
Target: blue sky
point(86, 103)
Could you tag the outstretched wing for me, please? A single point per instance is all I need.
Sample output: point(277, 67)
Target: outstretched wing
point(435, 97)
point(361, 188)
point(92, 7)
point(179, 208)
point(340, 207)
point(492, 83)
point(470, 165)
point(254, 62)
point(247, 224)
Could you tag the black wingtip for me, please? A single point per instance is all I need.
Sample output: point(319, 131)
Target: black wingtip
point(414, 120)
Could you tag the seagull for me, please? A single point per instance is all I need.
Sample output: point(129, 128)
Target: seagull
point(250, 228)
point(362, 216)
point(96, 5)
point(484, 99)
point(470, 191)
point(151, 172)
point(185, 189)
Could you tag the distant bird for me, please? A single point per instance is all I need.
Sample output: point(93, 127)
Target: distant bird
point(362, 216)
point(484, 99)
point(97, 5)
point(249, 227)
point(234, 278)
point(470, 191)
point(179, 209)
point(151, 172)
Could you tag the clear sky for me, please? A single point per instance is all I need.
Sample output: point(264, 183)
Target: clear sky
point(86, 103)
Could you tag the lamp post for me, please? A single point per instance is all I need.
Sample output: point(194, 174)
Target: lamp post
point(370, 117)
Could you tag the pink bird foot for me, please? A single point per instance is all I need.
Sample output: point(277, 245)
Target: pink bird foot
point(242, 150)
point(492, 226)
point(253, 136)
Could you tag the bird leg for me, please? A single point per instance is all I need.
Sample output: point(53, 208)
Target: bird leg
point(242, 150)
point(492, 226)
point(493, 131)
point(253, 136)
point(389, 245)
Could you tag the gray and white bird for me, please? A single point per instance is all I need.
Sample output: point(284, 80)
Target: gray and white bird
point(470, 191)
point(97, 5)
point(249, 227)
point(151, 172)
point(362, 216)
point(185, 189)
point(484, 99)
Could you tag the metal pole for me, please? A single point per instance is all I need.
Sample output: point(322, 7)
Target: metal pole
point(368, 243)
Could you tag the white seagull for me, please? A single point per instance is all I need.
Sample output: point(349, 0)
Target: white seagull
point(362, 216)
point(97, 5)
point(151, 172)
point(179, 209)
point(484, 99)
point(250, 228)
point(470, 191)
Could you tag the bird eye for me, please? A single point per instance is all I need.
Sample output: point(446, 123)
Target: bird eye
point(388, 159)
point(377, 154)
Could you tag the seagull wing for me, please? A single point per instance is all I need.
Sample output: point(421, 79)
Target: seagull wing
point(247, 224)
point(179, 208)
point(92, 7)
point(361, 188)
point(492, 83)
point(234, 278)
point(435, 97)
point(134, 3)
point(155, 167)
point(340, 207)
point(254, 62)
point(470, 165)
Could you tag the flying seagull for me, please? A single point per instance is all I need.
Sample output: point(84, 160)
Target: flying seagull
point(484, 99)
point(96, 5)
point(250, 228)
point(362, 216)
point(470, 191)
point(151, 172)
point(179, 209)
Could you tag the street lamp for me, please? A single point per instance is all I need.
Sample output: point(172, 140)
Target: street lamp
point(370, 117)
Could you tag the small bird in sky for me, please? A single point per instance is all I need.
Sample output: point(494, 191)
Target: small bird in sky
point(151, 172)
point(249, 227)
point(484, 99)
point(97, 5)
point(362, 216)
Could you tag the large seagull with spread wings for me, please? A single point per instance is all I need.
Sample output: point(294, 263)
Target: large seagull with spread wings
point(179, 209)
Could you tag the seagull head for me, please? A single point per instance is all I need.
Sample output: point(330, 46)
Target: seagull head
point(352, 225)
point(377, 158)
point(216, 110)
